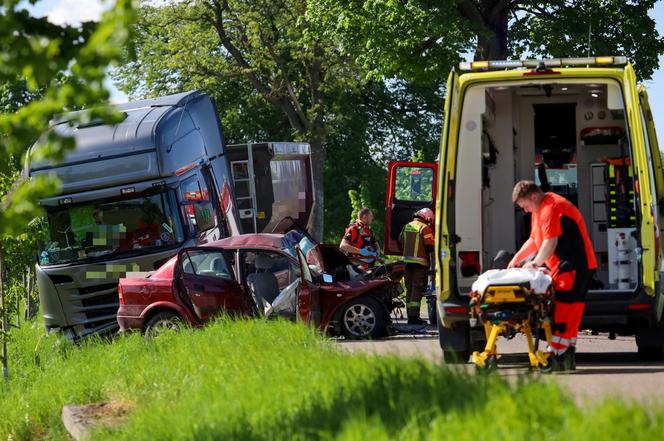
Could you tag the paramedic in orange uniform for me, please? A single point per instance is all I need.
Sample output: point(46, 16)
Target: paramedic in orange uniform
point(559, 240)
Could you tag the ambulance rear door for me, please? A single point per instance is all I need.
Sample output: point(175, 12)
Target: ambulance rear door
point(645, 186)
point(656, 174)
point(445, 189)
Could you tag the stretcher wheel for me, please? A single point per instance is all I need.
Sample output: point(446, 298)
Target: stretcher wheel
point(491, 364)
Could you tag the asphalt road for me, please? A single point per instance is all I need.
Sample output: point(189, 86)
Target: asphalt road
point(604, 367)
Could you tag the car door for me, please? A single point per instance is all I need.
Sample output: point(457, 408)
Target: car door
point(209, 284)
point(308, 304)
point(411, 187)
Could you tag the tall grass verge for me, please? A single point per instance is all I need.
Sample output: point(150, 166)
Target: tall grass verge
point(254, 380)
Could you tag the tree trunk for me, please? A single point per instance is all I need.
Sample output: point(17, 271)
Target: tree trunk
point(489, 20)
point(492, 43)
point(316, 224)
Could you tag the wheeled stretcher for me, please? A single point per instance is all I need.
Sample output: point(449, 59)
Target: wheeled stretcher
point(511, 301)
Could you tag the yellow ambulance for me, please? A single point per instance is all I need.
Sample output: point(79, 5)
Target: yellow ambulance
point(579, 127)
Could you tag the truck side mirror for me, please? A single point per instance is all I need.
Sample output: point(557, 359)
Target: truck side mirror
point(204, 215)
point(199, 215)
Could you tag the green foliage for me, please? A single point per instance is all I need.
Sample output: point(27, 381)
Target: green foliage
point(421, 40)
point(618, 28)
point(415, 40)
point(14, 94)
point(359, 200)
point(414, 184)
point(37, 52)
point(17, 250)
point(275, 380)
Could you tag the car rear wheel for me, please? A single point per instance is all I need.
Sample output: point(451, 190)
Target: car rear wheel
point(363, 318)
point(162, 322)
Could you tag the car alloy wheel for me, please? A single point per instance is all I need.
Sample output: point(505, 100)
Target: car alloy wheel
point(162, 322)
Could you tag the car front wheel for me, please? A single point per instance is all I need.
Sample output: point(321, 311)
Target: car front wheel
point(363, 318)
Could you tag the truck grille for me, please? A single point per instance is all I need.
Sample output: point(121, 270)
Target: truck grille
point(100, 305)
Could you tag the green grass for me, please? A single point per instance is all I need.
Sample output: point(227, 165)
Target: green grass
point(262, 381)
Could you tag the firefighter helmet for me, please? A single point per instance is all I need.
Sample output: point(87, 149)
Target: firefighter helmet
point(426, 215)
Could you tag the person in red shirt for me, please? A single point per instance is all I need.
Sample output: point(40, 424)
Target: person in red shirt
point(559, 240)
point(359, 241)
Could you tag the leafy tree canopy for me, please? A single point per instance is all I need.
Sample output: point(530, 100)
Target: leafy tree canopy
point(561, 29)
point(421, 39)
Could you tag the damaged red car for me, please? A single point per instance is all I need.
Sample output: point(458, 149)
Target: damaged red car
point(264, 275)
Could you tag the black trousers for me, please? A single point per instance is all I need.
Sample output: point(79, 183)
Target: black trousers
point(416, 277)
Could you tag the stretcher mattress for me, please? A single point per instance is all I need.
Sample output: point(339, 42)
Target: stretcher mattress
point(537, 280)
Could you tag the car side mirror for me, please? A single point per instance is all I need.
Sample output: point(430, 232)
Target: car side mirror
point(327, 278)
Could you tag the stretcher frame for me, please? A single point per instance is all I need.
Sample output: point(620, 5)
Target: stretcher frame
point(506, 310)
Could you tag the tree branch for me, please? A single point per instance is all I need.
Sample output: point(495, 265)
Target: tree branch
point(469, 10)
point(285, 74)
point(428, 43)
point(275, 98)
point(218, 22)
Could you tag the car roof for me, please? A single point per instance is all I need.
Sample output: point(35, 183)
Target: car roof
point(252, 240)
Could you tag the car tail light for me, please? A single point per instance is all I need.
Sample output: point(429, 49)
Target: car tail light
point(121, 295)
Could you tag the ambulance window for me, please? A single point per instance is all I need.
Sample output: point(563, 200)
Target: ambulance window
point(414, 184)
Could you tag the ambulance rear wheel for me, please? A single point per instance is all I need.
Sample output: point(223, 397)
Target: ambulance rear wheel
point(454, 341)
point(455, 357)
point(651, 353)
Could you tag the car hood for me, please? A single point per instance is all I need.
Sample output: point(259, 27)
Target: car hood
point(356, 286)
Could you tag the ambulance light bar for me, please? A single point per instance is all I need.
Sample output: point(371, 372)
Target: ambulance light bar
point(552, 62)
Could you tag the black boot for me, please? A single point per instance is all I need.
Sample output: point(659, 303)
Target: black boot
point(560, 363)
point(572, 354)
point(416, 321)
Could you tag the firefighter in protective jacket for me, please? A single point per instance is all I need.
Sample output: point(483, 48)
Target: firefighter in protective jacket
point(559, 240)
point(418, 243)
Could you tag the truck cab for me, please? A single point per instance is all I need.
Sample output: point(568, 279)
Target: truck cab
point(581, 128)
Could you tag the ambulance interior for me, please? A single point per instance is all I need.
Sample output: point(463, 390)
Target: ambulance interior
point(569, 138)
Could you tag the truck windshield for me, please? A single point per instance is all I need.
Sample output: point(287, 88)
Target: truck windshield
point(110, 228)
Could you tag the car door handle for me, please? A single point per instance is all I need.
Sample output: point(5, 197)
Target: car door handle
point(198, 287)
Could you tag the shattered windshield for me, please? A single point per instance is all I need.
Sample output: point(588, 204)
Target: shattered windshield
point(102, 229)
point(296, 238)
